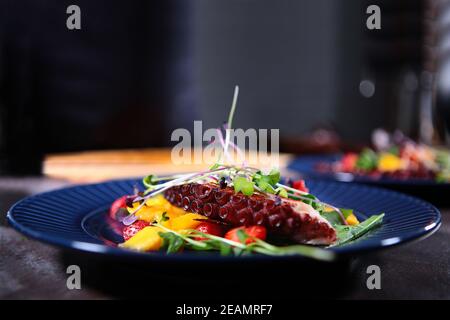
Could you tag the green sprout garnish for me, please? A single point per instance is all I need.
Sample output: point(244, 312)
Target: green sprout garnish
point(241, 184)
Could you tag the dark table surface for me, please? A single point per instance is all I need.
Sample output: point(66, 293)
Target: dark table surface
point(32, 270)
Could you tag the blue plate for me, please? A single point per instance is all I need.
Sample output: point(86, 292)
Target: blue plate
point(77, 218)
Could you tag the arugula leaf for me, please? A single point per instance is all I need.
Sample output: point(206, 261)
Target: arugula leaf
point(225, 249)
point(267, 182)
point(171, 242)
point(265, 186)
point(346, 212)
point(274, 176)
point(332, 217)
point(348, 233)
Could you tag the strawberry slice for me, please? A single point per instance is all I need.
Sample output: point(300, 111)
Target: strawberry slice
point(300, 185)
point(258, 232)
point(134, 228)
point(118, 204)
point(209, 228)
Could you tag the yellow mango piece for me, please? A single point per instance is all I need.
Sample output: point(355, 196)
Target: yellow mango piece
point(150, 214)
point(158, 201)
point(132, 209)
point(176, 212)
point(328, 209)
point(158, 218)
point(186, 221)
point(146, 239)
point(389, 162)
point(352, 220)
point(154, 208)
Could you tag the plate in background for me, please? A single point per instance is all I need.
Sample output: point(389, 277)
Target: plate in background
point(429, 190)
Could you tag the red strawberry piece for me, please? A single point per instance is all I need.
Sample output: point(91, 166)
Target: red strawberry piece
point(134, 228)
point(258, 232)
point(116, 205)
point(300, 185)
point(209, 228)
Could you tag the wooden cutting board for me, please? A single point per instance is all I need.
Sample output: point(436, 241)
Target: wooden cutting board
point(93, 166)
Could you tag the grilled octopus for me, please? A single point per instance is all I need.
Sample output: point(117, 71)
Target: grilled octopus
point(288, 218)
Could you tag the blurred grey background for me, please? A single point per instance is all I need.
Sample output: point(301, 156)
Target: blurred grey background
point(284, 55)
point(300, 64)
point(137, 70)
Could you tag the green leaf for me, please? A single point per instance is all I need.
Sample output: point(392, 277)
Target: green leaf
point(274, 177)
point(171, 242)
point(267, 182)
point(346, 212)
point(332, 217)
point(348, 233)
point(265, 186)
point(225, 249)
point(241, 184)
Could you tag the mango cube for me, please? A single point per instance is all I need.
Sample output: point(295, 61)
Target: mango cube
point(187, 221)
point(352, 220)
point(146, 239)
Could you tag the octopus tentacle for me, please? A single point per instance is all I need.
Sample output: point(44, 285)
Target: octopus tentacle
point(289, 218)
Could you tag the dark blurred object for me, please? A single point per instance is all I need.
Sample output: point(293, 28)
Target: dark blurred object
point(439, 60)
point(109, 276)
point(111, 84)
point(379, 68)
point(394, 60)
point(405, 61)
point(322, 140)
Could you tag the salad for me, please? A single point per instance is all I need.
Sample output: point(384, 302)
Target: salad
point(235, 210)
point(395, 156)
